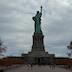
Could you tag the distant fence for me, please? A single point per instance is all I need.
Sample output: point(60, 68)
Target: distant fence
point(17, 60)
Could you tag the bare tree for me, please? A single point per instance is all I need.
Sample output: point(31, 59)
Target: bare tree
point(70, 49)
point(2, 47)
point(70, 53)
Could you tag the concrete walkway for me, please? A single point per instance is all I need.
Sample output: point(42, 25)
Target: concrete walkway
point(36, 68)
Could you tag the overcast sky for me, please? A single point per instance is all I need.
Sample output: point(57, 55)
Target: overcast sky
point(17, 26)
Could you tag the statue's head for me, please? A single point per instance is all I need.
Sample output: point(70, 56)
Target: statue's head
point(37, 12)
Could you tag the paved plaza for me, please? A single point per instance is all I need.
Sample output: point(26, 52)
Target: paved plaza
point(37, 68)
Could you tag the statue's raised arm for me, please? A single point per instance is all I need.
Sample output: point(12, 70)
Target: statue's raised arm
point(41, 9)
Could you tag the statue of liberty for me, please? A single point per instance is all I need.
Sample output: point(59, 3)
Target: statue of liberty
point(37, 20)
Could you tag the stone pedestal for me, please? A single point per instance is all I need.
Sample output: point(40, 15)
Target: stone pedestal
point(38, 43)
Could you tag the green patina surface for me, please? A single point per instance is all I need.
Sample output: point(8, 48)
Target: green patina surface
point(37, 20)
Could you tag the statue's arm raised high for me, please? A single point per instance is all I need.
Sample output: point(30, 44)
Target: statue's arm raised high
point(41, 9)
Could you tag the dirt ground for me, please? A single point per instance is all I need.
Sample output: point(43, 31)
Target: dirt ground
point(37, 68)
